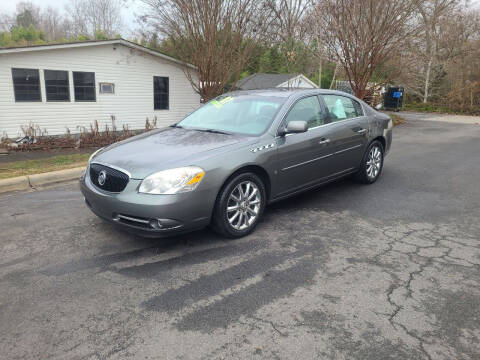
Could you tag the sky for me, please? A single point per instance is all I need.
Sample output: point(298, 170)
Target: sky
point(128, 12)
point(133, 7)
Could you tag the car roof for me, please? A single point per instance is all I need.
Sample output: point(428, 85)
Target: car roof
point(285, 92)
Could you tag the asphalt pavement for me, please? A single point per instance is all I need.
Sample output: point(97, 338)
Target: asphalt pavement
point(348, 271)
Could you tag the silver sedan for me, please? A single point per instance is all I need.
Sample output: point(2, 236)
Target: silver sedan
point(223, 163)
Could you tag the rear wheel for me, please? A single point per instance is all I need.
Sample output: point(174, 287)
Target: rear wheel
point(239, 206)
point(372, 164)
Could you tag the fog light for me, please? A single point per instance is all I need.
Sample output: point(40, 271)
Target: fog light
point(156, 224)
point(164, 224)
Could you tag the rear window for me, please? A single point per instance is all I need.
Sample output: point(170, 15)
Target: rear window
point(342, 107)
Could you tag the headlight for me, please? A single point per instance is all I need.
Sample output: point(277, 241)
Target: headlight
point(93, 155)
point(172, 181)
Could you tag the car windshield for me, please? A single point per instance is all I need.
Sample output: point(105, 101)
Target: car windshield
point(241, 114)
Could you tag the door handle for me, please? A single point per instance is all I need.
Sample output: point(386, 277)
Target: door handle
point(324, 142)
point(361, 131)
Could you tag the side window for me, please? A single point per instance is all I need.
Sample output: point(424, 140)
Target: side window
point(160, 93)
point(342, 107)
point(56, 85)
point(358, 108)
point(84, 86)
point(26, 84)
point(309, 110)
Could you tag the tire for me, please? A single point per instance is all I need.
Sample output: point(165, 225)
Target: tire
point(246, 208)
point(368, 174)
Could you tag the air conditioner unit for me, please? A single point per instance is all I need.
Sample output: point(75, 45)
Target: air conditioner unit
point(107, 88)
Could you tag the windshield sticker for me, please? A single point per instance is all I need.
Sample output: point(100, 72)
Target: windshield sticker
point(219, 103)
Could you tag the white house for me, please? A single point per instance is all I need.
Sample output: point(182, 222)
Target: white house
point(72, 85)
point(268, 81)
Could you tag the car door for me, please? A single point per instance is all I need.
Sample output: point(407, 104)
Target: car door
point(348, 131)
point(303, 159)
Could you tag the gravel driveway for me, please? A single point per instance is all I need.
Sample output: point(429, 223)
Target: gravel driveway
point(387, 271)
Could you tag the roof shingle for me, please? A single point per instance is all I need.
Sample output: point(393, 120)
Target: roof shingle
point(263, 81)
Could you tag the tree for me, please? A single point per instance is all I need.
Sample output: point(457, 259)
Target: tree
point(313, 36)
point(363, 33)
point(285, 21)
point(432, 12)
point(55, 26)
point(217, 36)
point(286, 18)
point(27, 14)
point(459, 54)
point(90, 16)
point(6, 22)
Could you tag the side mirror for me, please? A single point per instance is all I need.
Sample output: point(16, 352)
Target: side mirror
point(294, 127)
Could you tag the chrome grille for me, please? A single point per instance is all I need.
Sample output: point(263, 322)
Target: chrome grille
point(114, 180)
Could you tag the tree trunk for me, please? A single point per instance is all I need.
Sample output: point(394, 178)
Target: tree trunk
point(319, 61)
point(427, 80)
point(334, 75)
point(320, 72)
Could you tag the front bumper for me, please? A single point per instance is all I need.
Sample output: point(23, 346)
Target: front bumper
point(388, 135)
point(150, 215)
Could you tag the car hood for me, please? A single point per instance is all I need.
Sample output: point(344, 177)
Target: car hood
point(162, 149)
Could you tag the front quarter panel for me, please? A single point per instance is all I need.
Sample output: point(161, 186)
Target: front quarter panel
point(219, 168)
point(381, 126)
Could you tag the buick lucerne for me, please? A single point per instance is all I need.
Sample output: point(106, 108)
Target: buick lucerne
point(222, 164)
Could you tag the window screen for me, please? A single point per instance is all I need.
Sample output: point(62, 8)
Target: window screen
point(160, 93)
point(57, 85)
point(26, 85)
point(84, 85)
point(309, 110)
point(342, 107)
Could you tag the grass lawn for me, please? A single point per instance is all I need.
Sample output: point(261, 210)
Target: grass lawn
point(397, 119)
point(30, 167)
point(435, 108)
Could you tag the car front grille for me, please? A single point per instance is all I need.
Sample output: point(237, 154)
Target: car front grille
point(108, 179)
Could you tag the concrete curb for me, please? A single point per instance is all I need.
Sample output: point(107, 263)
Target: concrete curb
point(23, 183)
point(14, 184)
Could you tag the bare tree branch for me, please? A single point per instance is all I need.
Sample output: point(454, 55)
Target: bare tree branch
point(217, 36)
point(363, 33)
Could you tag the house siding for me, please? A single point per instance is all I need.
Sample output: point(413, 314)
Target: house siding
point(131, 71)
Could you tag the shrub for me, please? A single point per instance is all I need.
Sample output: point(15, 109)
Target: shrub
point(91, 136)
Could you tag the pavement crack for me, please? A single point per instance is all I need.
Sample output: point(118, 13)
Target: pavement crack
point(420, 341)
point(421, 260)
point(274, 327)
point(396, 306)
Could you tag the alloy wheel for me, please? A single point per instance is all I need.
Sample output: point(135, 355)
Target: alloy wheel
point(243, 205)
point(374, 162)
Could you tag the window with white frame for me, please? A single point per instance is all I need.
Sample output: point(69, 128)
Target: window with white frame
point(26, 85)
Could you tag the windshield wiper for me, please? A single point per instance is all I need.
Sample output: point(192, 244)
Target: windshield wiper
point(213, 131)
point(176, 126)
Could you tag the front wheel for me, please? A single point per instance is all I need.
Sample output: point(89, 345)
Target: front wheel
point(372, 164)
point(239, 206)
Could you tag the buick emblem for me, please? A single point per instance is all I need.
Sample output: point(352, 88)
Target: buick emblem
point(102, 177)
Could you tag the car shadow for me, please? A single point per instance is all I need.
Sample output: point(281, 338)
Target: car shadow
point(313, 199)
point(248, 272)
point(204, 243)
